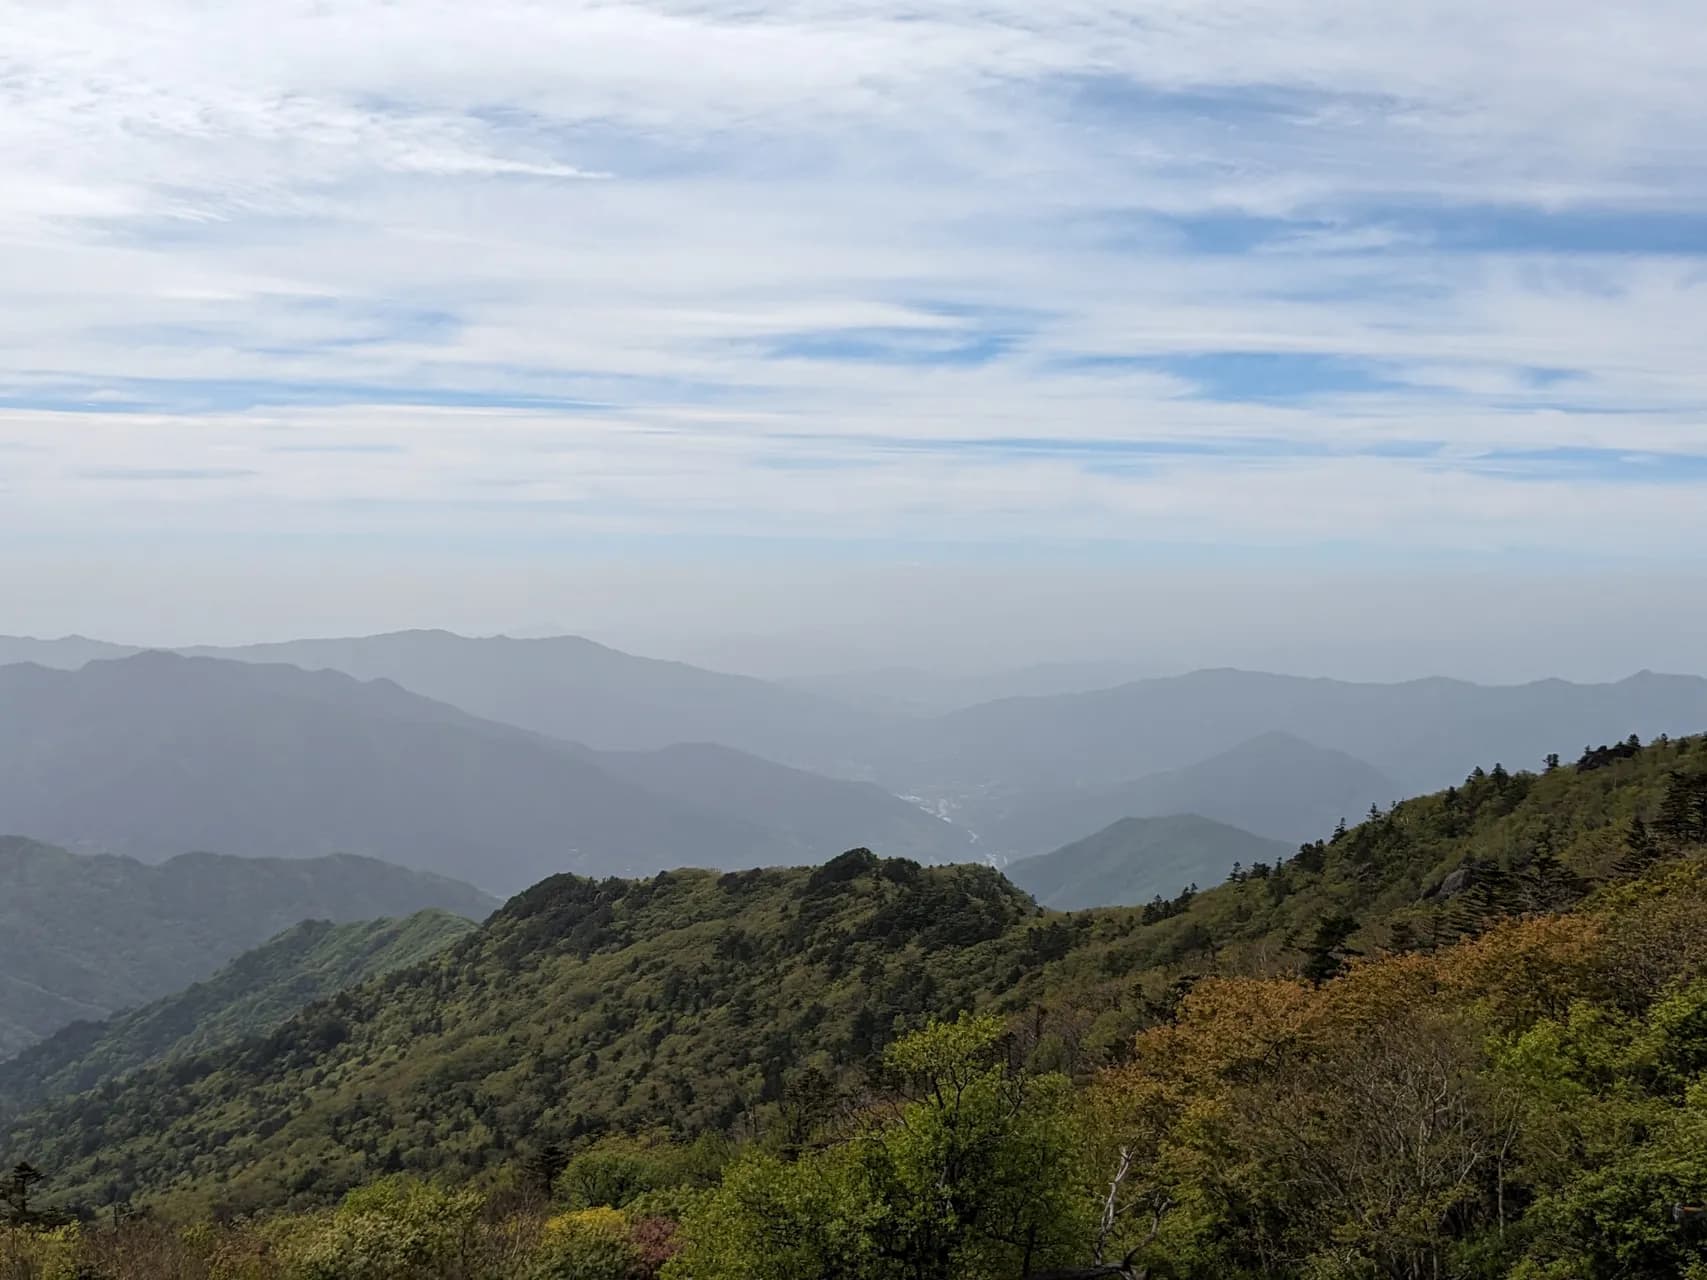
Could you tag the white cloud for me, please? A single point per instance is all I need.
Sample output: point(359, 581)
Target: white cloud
point(213, 211)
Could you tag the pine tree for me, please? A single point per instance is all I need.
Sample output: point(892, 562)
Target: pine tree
point(1683, 813)
point(543, 1166)
point(1326, 955)
point(18, 1186)
point(1490, 891)
point(1546, 884)
point(1640, 850)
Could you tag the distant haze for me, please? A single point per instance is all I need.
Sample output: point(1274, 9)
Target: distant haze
point(945, 618)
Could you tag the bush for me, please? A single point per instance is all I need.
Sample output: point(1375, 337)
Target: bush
point(589, 1244)
point(396, 1229)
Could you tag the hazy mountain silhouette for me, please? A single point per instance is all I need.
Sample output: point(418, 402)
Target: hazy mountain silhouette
point(576, 689)
point(1419, 733)
point(155, 754)
point(883, 726)
point(64, 652)
point(1135, 859)
point(1276, 786)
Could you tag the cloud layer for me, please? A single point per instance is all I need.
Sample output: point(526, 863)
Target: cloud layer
point(1423, 279)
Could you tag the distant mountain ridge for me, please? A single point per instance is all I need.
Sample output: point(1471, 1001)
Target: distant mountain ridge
point(1275, 786)
point(1416, 735)
point(249, 996)
point(83, 937)
point(1136, 859)
point(157, 753)
point(1419, 733)
point(577, 689)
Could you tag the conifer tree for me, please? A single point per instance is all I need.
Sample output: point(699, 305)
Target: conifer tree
point(1326, 955)
point(17, 1188)
point(1683, 813)
point(1640, 850)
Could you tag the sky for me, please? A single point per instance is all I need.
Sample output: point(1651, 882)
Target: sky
point(1323, 334)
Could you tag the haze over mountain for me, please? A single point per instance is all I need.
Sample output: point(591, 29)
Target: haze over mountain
point(1137, 859)
point(66, 653)
point(156, 754)
point(921, 692)
point(573, 688)
point(82, 937)
point(1419, 733)
point(1276, 785)
point(249, 996)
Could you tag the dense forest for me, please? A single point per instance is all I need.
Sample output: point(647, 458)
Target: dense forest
point(1466, 1037)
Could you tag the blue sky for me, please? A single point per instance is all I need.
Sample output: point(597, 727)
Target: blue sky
point(1192, 278)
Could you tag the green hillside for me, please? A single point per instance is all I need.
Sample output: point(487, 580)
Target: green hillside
point(251, 995)
point(1137, 859)
point(83, 937)
point(695, 1002)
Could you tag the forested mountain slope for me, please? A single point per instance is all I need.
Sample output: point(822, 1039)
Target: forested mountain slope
point(251, 995)
point(83, 937)
point(690, 1001)
point(158, 754)
point(1136, 859)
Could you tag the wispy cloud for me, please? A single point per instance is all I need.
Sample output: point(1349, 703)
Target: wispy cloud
point(1420, 276)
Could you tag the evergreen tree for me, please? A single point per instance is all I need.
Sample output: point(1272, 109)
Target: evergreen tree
point(1546, 884)
point(1640, 850)
point(543, 1166)
point(17, 1188)
point(1327, 953)
point(1683, 813)
point(1311, 857)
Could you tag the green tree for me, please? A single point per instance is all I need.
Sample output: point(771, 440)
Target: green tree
point(966, 1172)
point(19, 1185)
point(1640, 850)
point(1326, 955)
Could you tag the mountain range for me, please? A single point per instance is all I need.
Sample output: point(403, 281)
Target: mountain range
point(1276, 785)
point(1420, 733)
point(1281, 756)
point(83, 937)
point(157, 754)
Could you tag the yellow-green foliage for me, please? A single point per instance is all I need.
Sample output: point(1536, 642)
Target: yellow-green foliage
point(588, 1244)
point(396, 1229)
point(392, 1230)
point(27, 1254)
